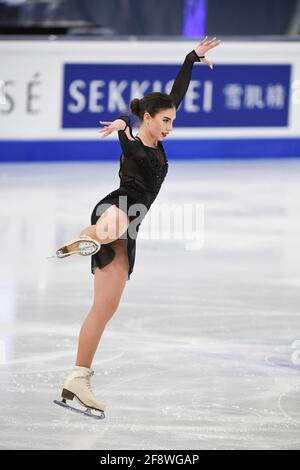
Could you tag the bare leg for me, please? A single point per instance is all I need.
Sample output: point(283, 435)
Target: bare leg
point(110, 226)
point(109, 283)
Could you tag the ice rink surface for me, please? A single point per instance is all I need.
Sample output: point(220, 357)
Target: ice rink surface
point(204, 350)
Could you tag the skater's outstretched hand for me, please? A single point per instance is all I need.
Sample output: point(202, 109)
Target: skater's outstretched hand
point(204, 46)
point(109, 127)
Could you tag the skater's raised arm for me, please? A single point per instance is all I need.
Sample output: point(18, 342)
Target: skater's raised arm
point(183, 78)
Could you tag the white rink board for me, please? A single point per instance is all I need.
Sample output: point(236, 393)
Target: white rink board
point(34, 71)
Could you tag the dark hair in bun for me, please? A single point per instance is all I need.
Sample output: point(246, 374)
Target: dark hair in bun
point(152, 103)
point(135, 106)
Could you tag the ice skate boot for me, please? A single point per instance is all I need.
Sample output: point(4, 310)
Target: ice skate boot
point(77, 385)
point(83, 245)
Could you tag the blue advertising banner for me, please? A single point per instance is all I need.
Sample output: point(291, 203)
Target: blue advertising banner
point(228, 96)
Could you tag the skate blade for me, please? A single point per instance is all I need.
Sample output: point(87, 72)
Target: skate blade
point(65, 255)
point(88, 412)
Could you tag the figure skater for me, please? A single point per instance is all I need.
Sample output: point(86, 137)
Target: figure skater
point(110, 240)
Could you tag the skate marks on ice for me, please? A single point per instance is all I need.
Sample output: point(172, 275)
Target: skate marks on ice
point(289, 404)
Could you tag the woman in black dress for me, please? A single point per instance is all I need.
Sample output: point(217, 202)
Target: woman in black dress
point(111, 237)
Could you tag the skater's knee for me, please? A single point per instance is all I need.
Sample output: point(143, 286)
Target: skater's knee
point(90, 231)
point(112, 224)
point(105, 311)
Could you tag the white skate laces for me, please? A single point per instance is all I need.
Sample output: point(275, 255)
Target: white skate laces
point(86, 248)
point(87, 379)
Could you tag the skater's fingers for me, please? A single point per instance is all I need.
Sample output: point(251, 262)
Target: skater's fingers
point(211, 40)
point(106, 133)
point(207, 62)
point(110, 128)
point(203, 40)
point(214, 44)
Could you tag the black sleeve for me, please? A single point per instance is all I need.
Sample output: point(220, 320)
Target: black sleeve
point(130, 148)
point(183, 78)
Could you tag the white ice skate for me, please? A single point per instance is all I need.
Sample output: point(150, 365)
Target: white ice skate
point(77, 384)
point(83, 245)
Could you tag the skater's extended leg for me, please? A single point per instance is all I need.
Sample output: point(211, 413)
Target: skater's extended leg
point(109, 283)
point(111, 225)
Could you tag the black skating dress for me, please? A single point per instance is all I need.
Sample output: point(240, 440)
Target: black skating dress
point(142, 172)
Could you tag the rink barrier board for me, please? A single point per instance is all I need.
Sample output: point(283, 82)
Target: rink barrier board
point(86, 150)
point(54, 92)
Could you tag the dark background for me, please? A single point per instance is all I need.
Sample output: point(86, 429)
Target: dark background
point(157, 17)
